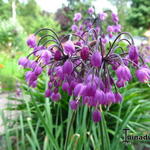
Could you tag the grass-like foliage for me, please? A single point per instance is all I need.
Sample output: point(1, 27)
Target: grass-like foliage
point(45, 125)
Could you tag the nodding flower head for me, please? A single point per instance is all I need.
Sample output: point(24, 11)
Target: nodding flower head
point(65, 86)
point(57, 55)
point(96, 116)
point(31, 41)
point(38, 70)
point(123, 73)
point(67, 67)
point(83, 66)
point(69, 47)
point(90, 10)
point(74, 28)
point(115, 18)
point(117, 28)
point(90, 89)
point(55, 96)
point(78, 89)
point(96, 59)
point(102, 16)
point(110, 98)
point(143, 74)
point(99, 97)
point(48, 93)
point(84, 53)
point(120, 83)
point(23, 61)
point(46, 56)
point(110, 29)
point(74, 104)
point(77, 17)
point(133, 52)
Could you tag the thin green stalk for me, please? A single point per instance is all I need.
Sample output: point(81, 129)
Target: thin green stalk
point(69, 128)
point(22, 133)
point(7, 133)
point(105, 137)
point(119, 114)
point(52, 139)
point(102, 136)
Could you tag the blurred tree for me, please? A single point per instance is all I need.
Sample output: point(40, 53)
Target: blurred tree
point(32, 18)
point(139, 15)
point(65, 14)
point(17, 19)
point(5, 10)
point(74, 2)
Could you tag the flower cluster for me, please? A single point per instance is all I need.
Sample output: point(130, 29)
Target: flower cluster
point(90, 65)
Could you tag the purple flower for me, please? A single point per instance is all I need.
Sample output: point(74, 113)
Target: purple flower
point(102, 16)
point(57, 55)
point(99, 96)
point(32, 64)
point(123, 73)
point(104, 40)
point(110, 98)
point(110, 35)
point(110, 29)
point(46, 56)
point(96, 59)
point(90, 89)
point(31, 41)
point(23, 61)
point(69, 47)
point(59, 72)
point(118, 97)
point(38, 70)
point(77, 17)
point(115, 18)
point(34, 84)
point(78, 43)
point(74, 104)
point(37, 50)
point(90, 10)
point(65, 86)
point(143, 74)
point(74, 27)
point(56, 90)
point(78, 89)
point(93, 78)
point(117, 28)
point(97, 29)
point(50, 85)
point(73, 84)
point(67, 67)
point(31, 77)
point(84, 53)
point(55, 96)
point(120, 83)
point(48, 93)
point(96, 116)
point(81, 27)
point(92, 102)
point(133, 52)
point(70, 91)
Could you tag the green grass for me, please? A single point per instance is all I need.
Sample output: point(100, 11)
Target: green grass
point(45, 125)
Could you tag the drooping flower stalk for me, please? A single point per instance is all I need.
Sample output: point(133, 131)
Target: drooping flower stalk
point(83, 63)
